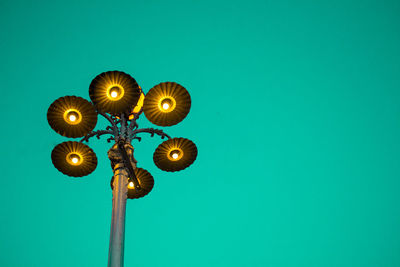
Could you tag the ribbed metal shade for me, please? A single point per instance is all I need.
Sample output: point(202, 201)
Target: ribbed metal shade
point(72, 116)
point(167, 104)
point(74, 159)
point(175, 154)
point(146, 183)
point(114, 92)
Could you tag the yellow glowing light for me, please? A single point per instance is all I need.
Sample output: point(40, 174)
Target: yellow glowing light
point(175, 154)
point(167, 104)
point(74, 158)
point(114, 94)
point(131, 185)
point(138, 106)
point(72, 117)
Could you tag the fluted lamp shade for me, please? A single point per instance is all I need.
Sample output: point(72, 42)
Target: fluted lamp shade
point(146, 183)
point(166, 104)
point(74, 159)
point(72, 116)
point(114, 92)
point(175, 154)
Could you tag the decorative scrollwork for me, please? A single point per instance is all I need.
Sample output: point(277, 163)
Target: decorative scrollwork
point(133, 123)
point(97, 134)
point(138, 138)
point(151, 131)
point(113, 123)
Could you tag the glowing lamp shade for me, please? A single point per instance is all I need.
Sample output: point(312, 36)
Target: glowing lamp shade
point(139, 104)
point(175, 154)
point(167, 104)
point(136, 109)
point(74, 159)
point(114, 92)
point(72, 116)
point(146, 182)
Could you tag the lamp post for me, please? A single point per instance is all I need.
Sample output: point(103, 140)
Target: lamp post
point(120, 100)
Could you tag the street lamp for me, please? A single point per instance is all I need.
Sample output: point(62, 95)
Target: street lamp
point(118, 98)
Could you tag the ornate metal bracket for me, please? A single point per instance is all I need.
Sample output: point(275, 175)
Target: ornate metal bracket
point(124, 132)
point(113, 123)
point(95, 133)
point(151, 131)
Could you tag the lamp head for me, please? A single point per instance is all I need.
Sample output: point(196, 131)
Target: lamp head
point(175, 154)
point(114, 92)
point(167, 104)
point(72, 116)
point(74, 159)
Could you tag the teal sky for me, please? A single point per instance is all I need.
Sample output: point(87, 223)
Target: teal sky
point(295, 113)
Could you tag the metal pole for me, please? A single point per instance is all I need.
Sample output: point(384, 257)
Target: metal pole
point(117, 235)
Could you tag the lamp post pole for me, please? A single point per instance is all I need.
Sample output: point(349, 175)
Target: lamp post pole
point(117, 233)
point(123, 164)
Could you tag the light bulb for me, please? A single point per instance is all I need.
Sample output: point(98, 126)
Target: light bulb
point(114, 94)
point(175, 155)
point(72, 117)
point(74, 160)
point(131, 185)
point(165, 106)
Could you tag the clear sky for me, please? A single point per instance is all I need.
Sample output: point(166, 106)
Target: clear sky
point(295, 113)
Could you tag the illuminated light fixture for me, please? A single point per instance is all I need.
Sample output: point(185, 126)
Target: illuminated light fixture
point(175, 154)
point(114, 92)
point(72, 116)
point(167, 104)
point(139, 104)
point(145, 180)
point(136, 109)
point(118, 98)
point(74, 159)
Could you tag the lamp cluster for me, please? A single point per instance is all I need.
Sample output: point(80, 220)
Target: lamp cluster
point(117, 97)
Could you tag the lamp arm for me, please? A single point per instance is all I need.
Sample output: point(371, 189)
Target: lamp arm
point(151, 131)
point(114, 125)
point(95, 133)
